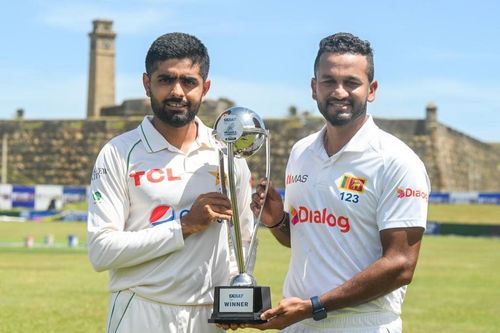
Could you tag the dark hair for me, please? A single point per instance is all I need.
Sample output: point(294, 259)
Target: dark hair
point(178, 45)
point(342, 43)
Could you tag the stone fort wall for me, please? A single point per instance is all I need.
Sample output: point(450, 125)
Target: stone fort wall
point(63, 151)
point(454, 161)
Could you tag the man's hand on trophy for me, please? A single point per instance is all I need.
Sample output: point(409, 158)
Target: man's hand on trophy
point(289, 311)
point(206, 209)
point(273, 204)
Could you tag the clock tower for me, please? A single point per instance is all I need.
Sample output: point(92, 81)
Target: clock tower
point(102, 68)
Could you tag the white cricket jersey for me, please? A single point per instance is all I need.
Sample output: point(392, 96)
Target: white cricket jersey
point(338, 205)
point(141, 186)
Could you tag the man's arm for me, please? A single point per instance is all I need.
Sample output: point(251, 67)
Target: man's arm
point(394, 269)
point(111, 246)
point(281, 230)
point(273, 215)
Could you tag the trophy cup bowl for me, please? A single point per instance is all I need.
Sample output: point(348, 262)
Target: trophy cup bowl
point(243, 128)
point(241, 133)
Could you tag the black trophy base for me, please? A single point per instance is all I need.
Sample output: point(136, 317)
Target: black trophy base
point(240, 305)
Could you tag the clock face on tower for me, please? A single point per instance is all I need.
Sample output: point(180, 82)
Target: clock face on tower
point(106, 44)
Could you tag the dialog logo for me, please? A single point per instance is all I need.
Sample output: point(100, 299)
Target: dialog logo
point(162, 214)
point(295, 216)
point(305, 215)
point(411, 193)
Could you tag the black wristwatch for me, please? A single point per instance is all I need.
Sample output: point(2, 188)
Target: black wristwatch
point(319, 311)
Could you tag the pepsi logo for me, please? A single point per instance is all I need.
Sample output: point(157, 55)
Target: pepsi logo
point(162, 214)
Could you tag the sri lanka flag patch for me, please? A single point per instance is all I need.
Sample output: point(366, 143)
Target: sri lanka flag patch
point(352, 183)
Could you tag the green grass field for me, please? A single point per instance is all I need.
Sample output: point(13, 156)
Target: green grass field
point(456, 287)
point(469, 214)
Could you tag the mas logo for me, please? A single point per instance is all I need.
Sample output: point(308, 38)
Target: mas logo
point(305, 215)
point(290, 179)
point(352, 183)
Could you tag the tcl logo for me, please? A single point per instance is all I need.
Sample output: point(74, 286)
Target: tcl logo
point(153, 176)
point(411, 193)
point(304, 215)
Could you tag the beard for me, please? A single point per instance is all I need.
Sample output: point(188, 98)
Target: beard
point(174, 118)
point(341, 118)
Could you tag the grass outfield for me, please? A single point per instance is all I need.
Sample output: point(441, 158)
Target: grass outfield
point(17, 231)
point(456, 287)
point(469, 214)
point(50, 291)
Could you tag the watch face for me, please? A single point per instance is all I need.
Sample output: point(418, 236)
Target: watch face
point(319, 314)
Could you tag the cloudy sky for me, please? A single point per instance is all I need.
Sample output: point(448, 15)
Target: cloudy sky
point(262, 53)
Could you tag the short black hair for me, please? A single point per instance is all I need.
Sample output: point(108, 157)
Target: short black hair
point(178, 45)
point(346, 43)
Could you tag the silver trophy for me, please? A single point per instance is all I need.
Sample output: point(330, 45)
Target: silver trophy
point(241, 133)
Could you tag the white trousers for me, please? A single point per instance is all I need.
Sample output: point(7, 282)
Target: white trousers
point(130, 313)
point(356, 323)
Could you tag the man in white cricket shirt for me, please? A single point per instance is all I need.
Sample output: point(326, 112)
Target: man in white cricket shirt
point(355, 207)
point(155, 207)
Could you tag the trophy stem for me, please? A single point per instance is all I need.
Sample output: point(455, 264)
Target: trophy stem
point(253, 243)
point(238, 250)
point(222, 173)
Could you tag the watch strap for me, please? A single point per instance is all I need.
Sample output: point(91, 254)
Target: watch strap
point(318, 310)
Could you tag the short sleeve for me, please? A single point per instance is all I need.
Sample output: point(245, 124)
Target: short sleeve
point(404, 187)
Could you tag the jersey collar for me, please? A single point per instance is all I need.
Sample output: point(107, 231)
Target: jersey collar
point(153, 141)
point(363, 138)
point(359, 142)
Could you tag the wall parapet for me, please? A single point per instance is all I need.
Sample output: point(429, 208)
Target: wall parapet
point(62, 152)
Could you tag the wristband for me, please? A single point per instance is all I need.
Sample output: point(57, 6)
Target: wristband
point(279, 223)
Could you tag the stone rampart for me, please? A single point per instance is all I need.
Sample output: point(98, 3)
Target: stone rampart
point(63, 151)
point(60, 152)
